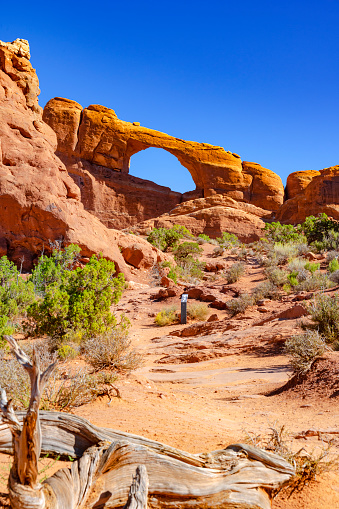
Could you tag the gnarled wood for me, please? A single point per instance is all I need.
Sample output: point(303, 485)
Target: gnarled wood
point(240, 476)
point(137, 497)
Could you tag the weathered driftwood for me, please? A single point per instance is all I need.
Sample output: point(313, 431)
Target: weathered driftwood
point(239, 476)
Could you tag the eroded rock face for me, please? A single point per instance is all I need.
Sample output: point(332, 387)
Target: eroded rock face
point(39, 201)
point(298, 181)
point(96, 148)
point(212, 216)
point(320, 195)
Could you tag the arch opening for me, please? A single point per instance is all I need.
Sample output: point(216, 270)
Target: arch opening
point(162, 168)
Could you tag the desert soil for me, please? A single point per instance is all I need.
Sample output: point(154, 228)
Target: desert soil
point(208, 402)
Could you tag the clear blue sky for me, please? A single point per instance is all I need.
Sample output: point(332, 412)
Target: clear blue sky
point(258, 78)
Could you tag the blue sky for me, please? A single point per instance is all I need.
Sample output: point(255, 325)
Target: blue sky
point(258, 78)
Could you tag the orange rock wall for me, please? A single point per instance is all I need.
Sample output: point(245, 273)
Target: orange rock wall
point(320, 195)
point(39, 201)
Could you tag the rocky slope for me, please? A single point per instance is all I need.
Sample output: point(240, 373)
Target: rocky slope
point(39, 201)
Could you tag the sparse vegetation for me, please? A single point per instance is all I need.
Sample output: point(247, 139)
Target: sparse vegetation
point(265, 290)
point(197, 310)
point(307, 465)
point(303, 349)
point(324, 311)
point(167, 239)
point(240, 304)
point(234, 273)
point(167, 316)
point(228, 240)
point(112, 350)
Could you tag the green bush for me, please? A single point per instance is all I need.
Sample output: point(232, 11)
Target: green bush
point(312, 267)
point(167, 316)
point(73, 302)
point(322, 231)
point(234, 273)
point(303, 349)
point(168, 238)
point(324, 312)
point(284, 233)
point(204, 237)
point(197, 310)
point(187, 249)
point(333, 265)
point(228, 240)
point(173, 275)
point(15, 296)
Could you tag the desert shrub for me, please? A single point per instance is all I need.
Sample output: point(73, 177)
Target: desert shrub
point(112, 350)
point(284, 233)
point(284, 252)
point(240, 304)
point(235, 271)
point(15, 296)
point(293, 278)
point(312, 267)
point(66, 352)
point(317, 281)
point(187, 249)
point(204, 237)
point(276, 276)
point(322, 231)
point(73, 301)
point(296, 264)
point(197, 310)
point(324, 312)
point(303, 349)
point(333, 265)
point(167, 316)
point(172, 275)
point(331, 255)
point(265, 290)
point(302, 248)
point(189, 269)
point(228, 240)
point(214, 242)
point(64, 390)
point(334, 277)
point(307, 465)
point(168, 238)
point(218, 251)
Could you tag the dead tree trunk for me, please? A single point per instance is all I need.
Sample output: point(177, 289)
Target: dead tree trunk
point(238, 477)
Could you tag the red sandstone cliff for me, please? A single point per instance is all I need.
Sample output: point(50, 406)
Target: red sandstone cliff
point(39, 201)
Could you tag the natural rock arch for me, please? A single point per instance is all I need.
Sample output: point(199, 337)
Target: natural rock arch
point(97, 135)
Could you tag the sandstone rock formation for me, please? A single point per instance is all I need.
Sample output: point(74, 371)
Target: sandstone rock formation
point(39, 201)
point(320, 195)
point(298, 181)
point(96, 148)
point(212, 216)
